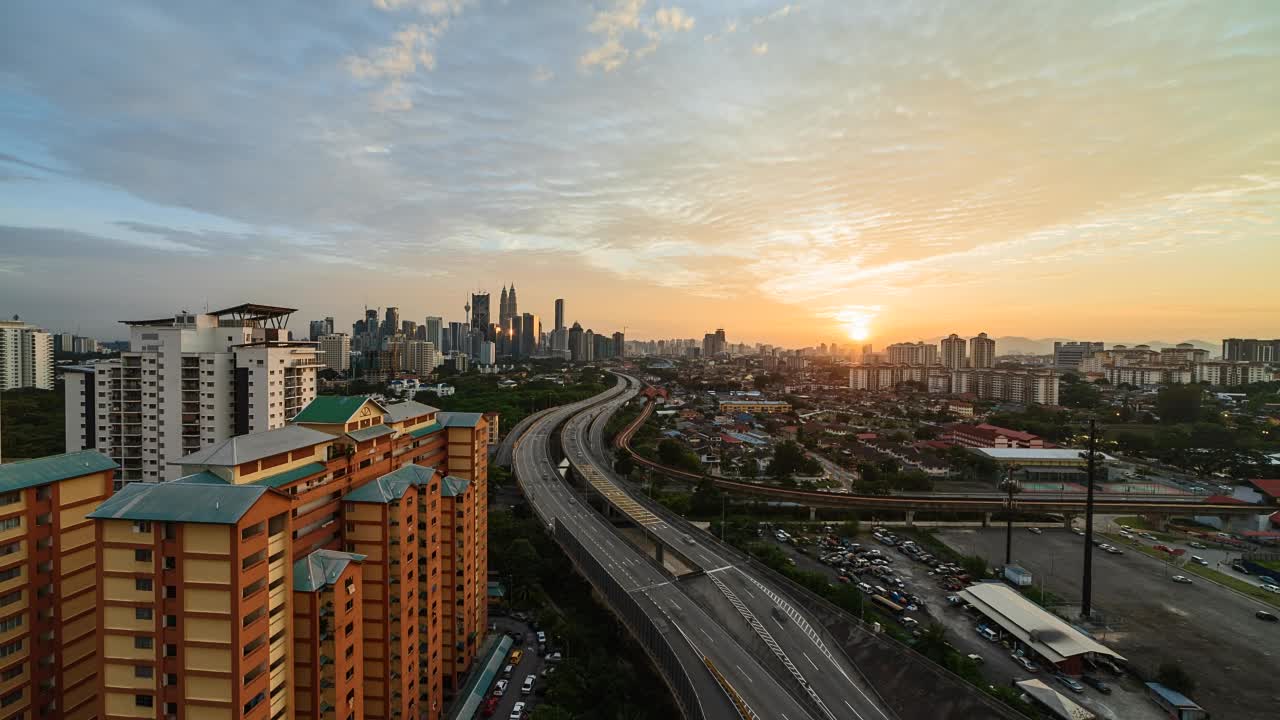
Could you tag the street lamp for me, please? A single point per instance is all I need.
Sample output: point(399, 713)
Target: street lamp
point(1011, 486)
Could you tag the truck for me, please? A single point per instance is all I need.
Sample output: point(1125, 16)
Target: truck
point(1017, 576)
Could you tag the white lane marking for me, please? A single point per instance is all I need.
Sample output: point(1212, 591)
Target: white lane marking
point(783, 627)
point(744, 673)
point(806, 657)
point(674, 605)
point(704, 632)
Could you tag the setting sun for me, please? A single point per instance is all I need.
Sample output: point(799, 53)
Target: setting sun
point(855, 320)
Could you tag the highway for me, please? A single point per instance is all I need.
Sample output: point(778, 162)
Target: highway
point(698, 637)
point(801, 653)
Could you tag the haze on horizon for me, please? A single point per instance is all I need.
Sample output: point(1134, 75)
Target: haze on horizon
point(795, 173)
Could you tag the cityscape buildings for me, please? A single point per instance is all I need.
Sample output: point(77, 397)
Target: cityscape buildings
point(187, 382)
point(335, 351)
point(918, 353)
point(1069, 355)
point(953, 352)
point(26, 356)
point(982, 351)
point(1251, 350)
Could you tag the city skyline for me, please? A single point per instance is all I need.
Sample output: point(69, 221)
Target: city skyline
point(659, 159)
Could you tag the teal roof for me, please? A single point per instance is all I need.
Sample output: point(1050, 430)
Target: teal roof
point(496, 590)
point(288, 476)
point(425, 430)
point(195, 502)
point(482, 677)
point(369, 433)
point(42, 471)
point(391, 486)
point(321, 568)
point(452, 486)
point(202, 478)
point(332, 409)
point(459, 419)
point(408, 409)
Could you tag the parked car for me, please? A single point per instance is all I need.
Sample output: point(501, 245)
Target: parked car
point(1096, 684)
point(1199, 560)
point(1183, 579)
point(1035, 531)
point(527, 686)
point(1271, 588)
point(1112, 550)
point(975, 658)
point(1025, 663)
point(506, 671)
point(500, 688)
point(1265, 616)
point(1197, 545)
point(1074, 686)
point(488, 707)
point(1239, 567)
point(517, 711)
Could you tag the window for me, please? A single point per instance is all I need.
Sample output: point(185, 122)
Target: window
point(10, 548)
point(143, 671)
point(142, 526)
point(144, 701)
point(10, 623)
point(12, 672)
point(10, 523)
point(142, 642)
point(10, 498)
point(142, 556)
point(11, 573)
point(11, 698)
point(143, 584)
point(10, 648)
point(142, 613)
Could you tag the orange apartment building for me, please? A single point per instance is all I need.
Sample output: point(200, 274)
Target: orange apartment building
point(301, 572)
point(48, 620)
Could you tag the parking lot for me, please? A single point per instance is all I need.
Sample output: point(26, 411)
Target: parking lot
point(1126, 702)
point(1212, 631)
point(531, 663)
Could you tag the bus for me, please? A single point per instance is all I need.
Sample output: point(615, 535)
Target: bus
point(887, 604)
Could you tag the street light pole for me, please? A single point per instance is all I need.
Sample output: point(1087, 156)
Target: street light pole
point(1087, 583)
point(1009, 486)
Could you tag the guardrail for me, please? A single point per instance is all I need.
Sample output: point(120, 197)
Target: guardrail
point(638, 621)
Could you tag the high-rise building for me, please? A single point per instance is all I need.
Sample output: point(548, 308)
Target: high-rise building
point(261, 580)
point(435, 330)
point(619, 345)
point(513, 308)
point(480, 312)
point(1069, 355)
point(577, 348)
point(917, 353)
point(26, 356)
point(1250, 350)
point(320, 328)
point(503, 308)
point(391, 321)
point(982, 351)
point(188, 382)
point(559, 314)
point(49, 621)
point(488, 353)
point(953, 355)
point(409, 328)
point(421, 357)
point(335, 352)
point(530, 331)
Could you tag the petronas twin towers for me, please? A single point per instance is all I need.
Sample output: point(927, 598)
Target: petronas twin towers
point(507, 305)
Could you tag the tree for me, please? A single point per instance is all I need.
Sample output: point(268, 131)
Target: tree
point(933, 642)
point(790, 459)
point(671, 452)
point(551, 712)
point(1137, 443)
point(706, 499)
point(624, 464)
point(974, 565)
point(926, 432)
point(1173, 676)
point(1179, 403)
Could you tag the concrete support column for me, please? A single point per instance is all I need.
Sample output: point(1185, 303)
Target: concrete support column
point(911, 518)
point(657, 553)
point(813, 514)
point(986, 520)
point(1067, 519)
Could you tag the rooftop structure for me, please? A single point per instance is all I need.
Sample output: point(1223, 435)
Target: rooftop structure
point(1046, 634)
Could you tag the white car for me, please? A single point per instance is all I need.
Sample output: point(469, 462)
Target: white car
point(517, 711)
point(1183, 579)
point(1271, 588)
point(500, 689)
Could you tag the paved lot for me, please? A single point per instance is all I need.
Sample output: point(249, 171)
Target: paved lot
point(1212, 631)
point(1125, 703)
point(530, 664)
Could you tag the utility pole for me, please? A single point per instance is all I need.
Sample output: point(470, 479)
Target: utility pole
point(1010, 486)
point(1086, 601)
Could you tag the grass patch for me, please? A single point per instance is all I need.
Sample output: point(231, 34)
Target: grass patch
point(1221, 578)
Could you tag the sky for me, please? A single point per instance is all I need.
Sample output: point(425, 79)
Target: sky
point(794, 173)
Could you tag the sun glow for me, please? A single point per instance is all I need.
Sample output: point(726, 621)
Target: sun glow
point(856, 320)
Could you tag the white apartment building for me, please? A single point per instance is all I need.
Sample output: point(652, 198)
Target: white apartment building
point(1230, 373)
point(1142, 376)
point(919, 353)
point(953, 351)
point(1032, 387)
point(982, 351)
point(188, 382)
point(421, 357)
point(335, 351)
point(26, 356)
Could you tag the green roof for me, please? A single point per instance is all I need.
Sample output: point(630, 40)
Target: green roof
point(452, 486)
point(459, 419)
point(202, 478)
point(195, 502)
point(369, 433)
point(392, 486)
point(321, 568)
point(328, 409)
point(425, 430)
point(288, 476)
point(42, 471)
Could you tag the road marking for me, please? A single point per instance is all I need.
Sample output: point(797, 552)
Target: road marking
point(704, 632)
point(674, 605)
point(744, 674)
point(806, 657)
point(784, 627)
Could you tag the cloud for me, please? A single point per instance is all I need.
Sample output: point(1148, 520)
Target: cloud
point(434, 8)
point(411, 47)
point(625, 20)
point(760, 48)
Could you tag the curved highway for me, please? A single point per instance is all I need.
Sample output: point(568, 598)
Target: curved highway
point(801, 659)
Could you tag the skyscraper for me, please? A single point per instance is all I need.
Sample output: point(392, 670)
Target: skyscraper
point(982, 351)
point(513, 310)
point(26, 356)
point(953, 351)
point(1069, 355)
point(435, 330)
point(480, 311)
point(391, 321)
point(335, 352)
point(559, 314)
point(918, 353)
point(577, 352)
point(503, 308)
point(530, 331)
point(619, 345)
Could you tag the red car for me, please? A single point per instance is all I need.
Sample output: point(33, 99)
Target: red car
point(488, 707)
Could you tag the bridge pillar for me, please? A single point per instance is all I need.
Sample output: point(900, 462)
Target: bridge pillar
point(1067, 520)
point(657, 553)
point(911, 518)
point(813, 514)
point(986, 520)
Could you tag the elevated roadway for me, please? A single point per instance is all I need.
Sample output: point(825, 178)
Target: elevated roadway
point(728, 679)
point(799, 653)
